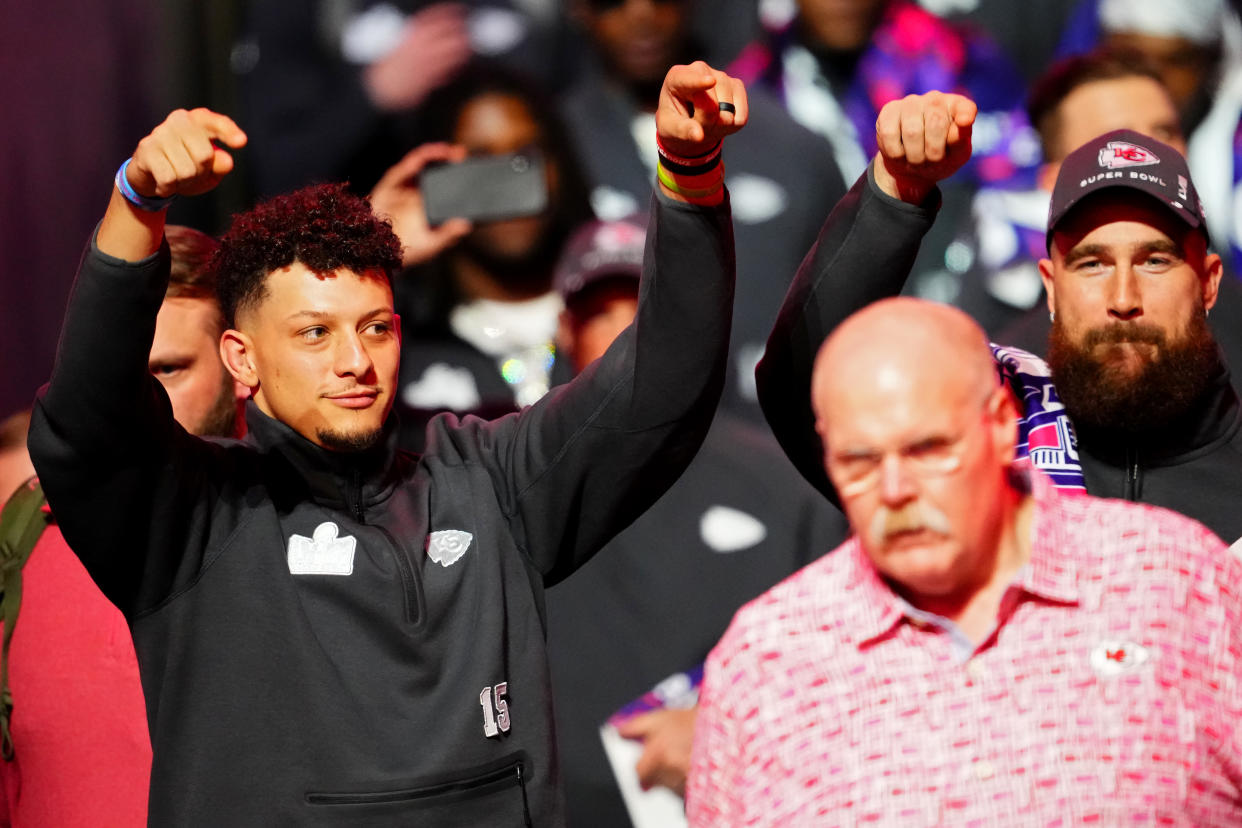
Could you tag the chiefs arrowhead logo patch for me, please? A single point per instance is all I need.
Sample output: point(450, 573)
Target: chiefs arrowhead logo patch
point(1112, 658)
point(446, 546)
point(1117, 154)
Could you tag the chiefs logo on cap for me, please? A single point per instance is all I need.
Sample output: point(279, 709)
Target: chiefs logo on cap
point(1117, 154)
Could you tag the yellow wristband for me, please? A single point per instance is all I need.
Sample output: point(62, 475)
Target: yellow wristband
point(667, 179)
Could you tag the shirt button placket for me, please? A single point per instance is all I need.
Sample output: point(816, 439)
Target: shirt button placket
point(976, 669)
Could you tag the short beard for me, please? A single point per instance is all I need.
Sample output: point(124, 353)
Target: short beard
point(221, 420)
point(350, 443)
point(1097, 395)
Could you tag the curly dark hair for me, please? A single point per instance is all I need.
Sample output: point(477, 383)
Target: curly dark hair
point(324, 226)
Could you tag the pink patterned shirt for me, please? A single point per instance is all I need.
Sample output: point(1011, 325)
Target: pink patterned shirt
point(1108, 694)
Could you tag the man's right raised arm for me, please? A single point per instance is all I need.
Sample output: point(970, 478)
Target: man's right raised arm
point(863, 254)
point(102, 431)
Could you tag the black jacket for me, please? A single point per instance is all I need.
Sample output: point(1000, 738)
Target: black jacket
point(864, 253)
point(366, 698)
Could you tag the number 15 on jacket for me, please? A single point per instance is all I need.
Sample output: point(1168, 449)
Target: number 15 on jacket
point(495, 709)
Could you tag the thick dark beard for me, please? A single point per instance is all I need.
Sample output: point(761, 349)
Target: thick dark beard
point(349, 443)
point(1097, 396)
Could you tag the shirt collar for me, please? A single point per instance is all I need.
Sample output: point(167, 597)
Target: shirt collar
point(878, 608)
point(1050, 572)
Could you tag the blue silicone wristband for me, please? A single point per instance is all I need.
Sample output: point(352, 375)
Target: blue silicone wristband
point(152, 205)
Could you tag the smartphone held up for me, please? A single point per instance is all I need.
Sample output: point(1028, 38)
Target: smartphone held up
point(486, 188)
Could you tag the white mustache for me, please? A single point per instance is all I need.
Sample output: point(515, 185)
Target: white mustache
point(912, 517)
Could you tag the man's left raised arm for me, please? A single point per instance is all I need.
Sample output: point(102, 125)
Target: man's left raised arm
point(592, 455)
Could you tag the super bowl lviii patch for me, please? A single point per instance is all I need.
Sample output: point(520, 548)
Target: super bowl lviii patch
point(323, 554)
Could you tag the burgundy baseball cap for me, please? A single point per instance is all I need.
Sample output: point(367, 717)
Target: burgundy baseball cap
point(600, 250)
point(1125, 158)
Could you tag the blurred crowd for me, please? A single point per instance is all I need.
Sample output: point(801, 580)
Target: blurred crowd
point(341, 90)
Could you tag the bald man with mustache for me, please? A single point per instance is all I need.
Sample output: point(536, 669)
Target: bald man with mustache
point(924, 483)
point(984, 647)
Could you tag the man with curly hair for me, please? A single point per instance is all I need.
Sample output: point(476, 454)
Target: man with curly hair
point(331, 631)
point(286, 253)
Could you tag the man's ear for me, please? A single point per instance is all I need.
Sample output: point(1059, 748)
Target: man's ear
point(237, 354)
point(1003, 413)
point(1211, 279)
point(1046, 176)
point(1045, 274)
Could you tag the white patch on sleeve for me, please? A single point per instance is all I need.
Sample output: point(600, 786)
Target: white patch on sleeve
point(324, 554)
point(756, 199)
point(443, 386)
point(725, 529)
point(446, 546)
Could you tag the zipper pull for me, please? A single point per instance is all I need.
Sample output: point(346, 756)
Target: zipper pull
point(525, 800)
point(1132, 474)
point(357, 496)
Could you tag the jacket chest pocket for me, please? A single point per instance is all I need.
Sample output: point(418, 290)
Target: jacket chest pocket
point(494, 795)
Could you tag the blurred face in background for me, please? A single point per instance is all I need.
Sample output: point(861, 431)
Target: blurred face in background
point(840, 25)
point(1188, 69)
point(595, 317)
point(638, 39)
point(1137, 102)
point(185, 358)
point(495, 124)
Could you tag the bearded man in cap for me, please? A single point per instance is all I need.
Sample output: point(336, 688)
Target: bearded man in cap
point(1135, 400)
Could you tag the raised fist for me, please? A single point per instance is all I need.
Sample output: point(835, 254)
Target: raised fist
point(180, 156)
point(923, 139)
point(689, 119)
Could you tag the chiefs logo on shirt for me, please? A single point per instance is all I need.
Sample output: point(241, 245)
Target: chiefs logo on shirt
point(1112, 658)
point(1117, 154)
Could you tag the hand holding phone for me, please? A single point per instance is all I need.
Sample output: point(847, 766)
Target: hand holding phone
point(486, 188)
point(398, 197)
